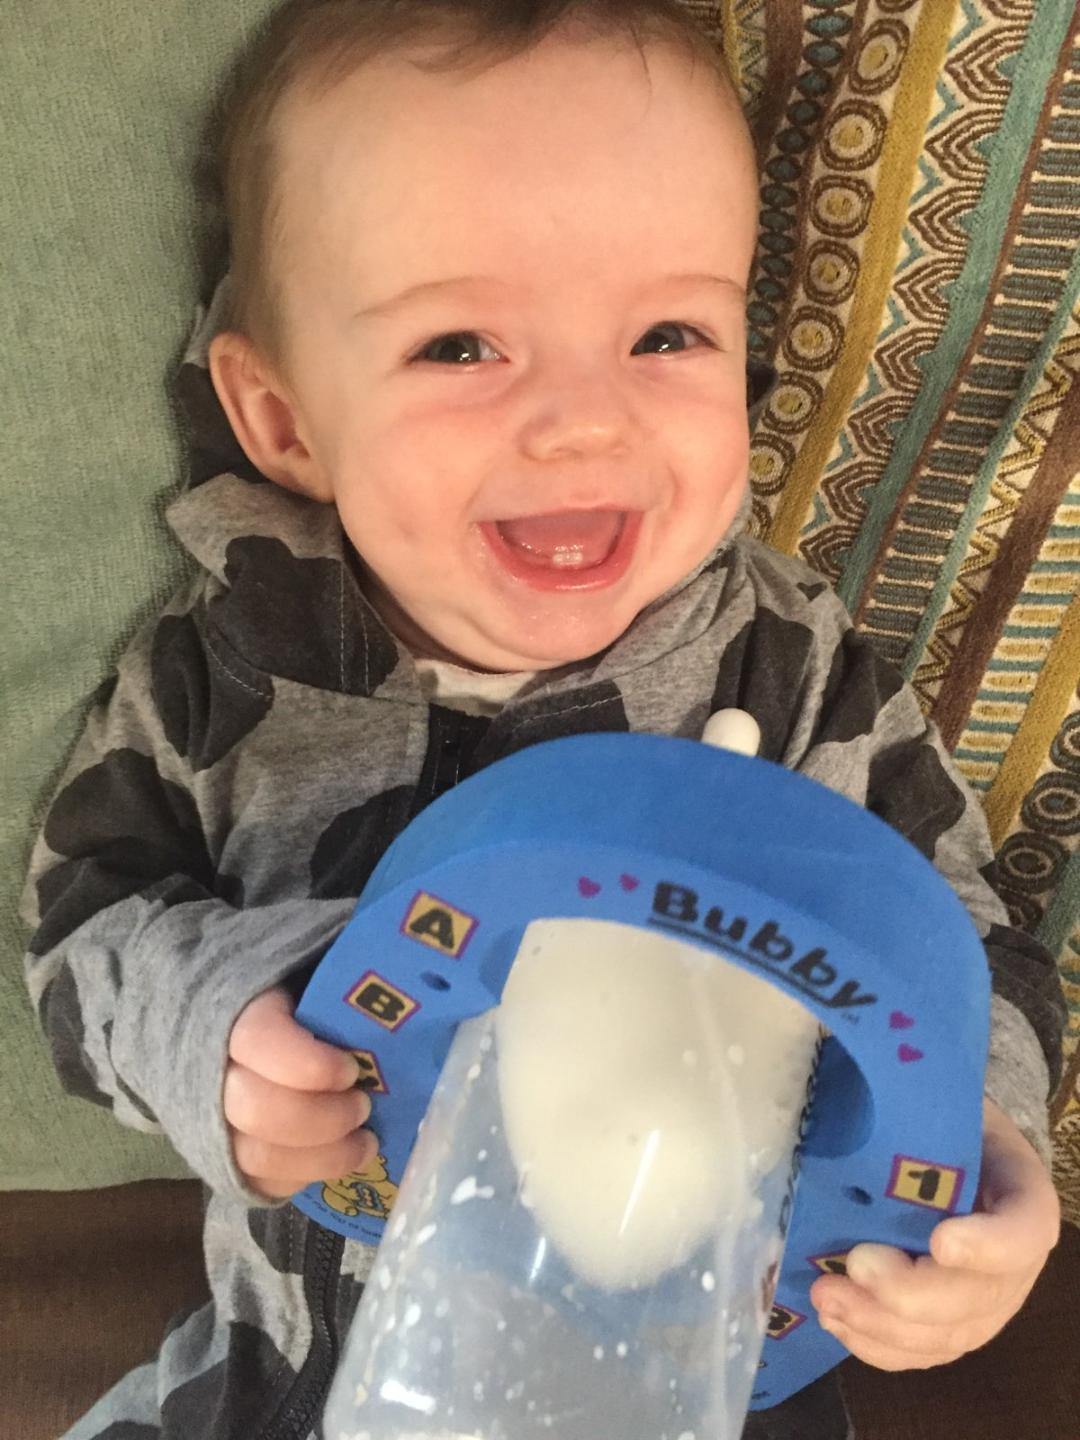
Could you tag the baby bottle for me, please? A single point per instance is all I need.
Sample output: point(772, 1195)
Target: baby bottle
point(590, 1226)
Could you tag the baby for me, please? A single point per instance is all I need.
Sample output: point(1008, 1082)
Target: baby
point(415, 572)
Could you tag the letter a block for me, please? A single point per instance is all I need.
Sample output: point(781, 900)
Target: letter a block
point(434, 922)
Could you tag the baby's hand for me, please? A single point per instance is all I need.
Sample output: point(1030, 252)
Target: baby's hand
point(293, 1112)
point(902, 1314)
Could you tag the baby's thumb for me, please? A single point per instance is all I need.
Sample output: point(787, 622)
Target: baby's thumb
point(268, 1040)
point(1018, 1215)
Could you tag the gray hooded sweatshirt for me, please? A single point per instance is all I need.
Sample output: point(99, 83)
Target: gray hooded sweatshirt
point(263, 742)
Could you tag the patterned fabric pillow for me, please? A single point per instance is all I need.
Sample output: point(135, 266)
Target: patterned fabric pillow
point(917, 286)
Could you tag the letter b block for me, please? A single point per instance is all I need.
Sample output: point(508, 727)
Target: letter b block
point(382, 1002)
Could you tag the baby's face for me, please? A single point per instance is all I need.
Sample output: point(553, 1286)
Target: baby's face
point(514, 338)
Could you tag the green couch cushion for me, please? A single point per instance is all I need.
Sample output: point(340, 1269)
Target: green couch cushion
point(102, 107)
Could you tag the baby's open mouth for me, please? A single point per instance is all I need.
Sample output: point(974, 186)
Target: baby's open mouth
point(571, 550)
point(570, 540)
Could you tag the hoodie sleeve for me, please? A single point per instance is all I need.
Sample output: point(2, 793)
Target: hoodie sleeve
point(863, 705)
point(142, 955)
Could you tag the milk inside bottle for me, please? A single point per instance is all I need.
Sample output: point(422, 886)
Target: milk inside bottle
point(590, 1226)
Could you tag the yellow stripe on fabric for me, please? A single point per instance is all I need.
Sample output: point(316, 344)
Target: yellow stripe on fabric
point(1000, 712)
point(977, 773)
point(730, 41)
point(1030, 744)
point(1025, 650)
point(1034, 615)
point(895, 181)
point(1008, 686)
point(1050, 584)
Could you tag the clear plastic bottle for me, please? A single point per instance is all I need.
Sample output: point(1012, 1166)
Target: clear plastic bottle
point(589, 1229)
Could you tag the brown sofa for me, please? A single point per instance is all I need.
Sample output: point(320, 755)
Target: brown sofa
point(89, 1280)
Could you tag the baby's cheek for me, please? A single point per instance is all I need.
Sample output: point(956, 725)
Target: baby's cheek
point(706, 514)
point(382, 534)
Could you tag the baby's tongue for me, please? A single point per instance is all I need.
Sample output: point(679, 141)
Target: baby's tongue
point(576, 539)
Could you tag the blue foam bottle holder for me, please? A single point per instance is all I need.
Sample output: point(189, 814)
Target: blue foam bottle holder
point(755, 866)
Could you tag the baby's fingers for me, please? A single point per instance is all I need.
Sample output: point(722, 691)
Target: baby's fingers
point(1018, 1215)
point(277, 1171)
point(294, 1118)
point(886, 1286)
point(908, 1347)
point(269, 1041)
point(1010, 1242)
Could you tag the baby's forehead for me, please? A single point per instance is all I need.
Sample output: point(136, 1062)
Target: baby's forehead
point(534, 102)
point(399, 88)
point(321, 147)
point(400, 169)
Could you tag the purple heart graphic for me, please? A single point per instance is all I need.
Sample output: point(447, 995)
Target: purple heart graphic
point(899, 1021)
point(908, 1053)
point(629, 882)
point(588, 888)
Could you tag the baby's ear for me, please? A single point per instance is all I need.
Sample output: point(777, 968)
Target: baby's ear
point(263, 415)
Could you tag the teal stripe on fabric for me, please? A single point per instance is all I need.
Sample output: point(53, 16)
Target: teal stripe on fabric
point(1012, 697)
point(981, 489)
point(1014, 667)
point(1063, 913)
point(1034, 71)
point(991, 727)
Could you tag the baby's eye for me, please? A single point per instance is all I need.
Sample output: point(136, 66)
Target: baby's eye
point(667, 339)
point(463, 347)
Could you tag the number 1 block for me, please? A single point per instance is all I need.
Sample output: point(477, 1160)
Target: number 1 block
point(924, 1182)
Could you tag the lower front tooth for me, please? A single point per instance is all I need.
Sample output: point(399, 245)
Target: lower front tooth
point(568, 558)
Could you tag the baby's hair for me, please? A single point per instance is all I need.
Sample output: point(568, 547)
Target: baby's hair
point(319, 43)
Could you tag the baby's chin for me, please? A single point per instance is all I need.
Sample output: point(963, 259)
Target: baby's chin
point(547, 643)
point(504, 659)
point(547, 647)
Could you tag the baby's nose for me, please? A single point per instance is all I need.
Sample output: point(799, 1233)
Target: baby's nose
point(578, 418)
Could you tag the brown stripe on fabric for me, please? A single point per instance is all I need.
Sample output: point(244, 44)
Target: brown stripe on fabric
point(803, 222)
point(933, 437)
point(783, 40)
point(1018, 552)
point(806, 230)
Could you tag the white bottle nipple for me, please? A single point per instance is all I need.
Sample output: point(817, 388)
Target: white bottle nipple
point(733, 730)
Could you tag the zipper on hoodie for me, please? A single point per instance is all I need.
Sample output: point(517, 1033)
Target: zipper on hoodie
point(322, 1269)
point(453, 738)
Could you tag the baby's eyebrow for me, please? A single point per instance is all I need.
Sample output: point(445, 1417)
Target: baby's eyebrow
point(421, 291)
point(702, 278)
point(427, 288)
